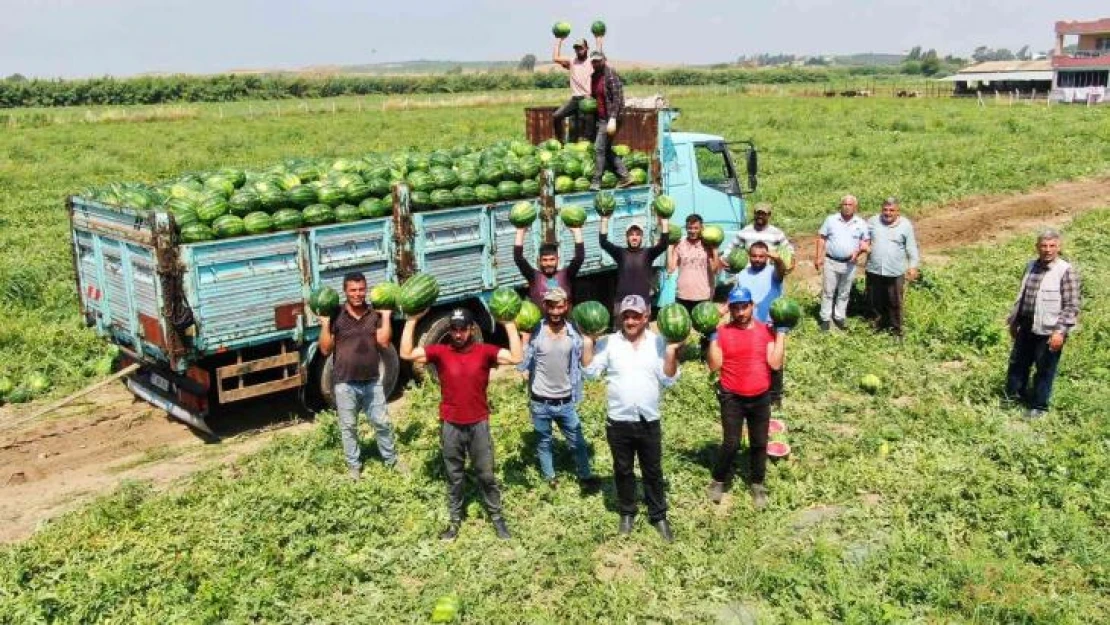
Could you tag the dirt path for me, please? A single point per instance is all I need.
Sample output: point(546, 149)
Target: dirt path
point(53, 466)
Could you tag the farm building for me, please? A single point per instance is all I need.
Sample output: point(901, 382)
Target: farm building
point(1004, 77)
point(1082, 67)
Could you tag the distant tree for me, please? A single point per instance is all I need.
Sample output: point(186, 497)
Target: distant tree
point(527, 63)
point(816, 61)
point(458, 69)
point(16, 77)
point(930, 63)
point(1003, 54)
point(1023, 53)
point(914, 54)
point(911, 67)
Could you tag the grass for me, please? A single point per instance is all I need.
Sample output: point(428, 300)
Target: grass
point(973, 515)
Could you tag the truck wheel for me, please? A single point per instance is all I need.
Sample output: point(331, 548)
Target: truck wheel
point(437, 332)
point(388, 367)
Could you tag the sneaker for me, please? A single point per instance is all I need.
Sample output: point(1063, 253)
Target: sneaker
point(401, 467)
point(1035, 413)
point(824, 326)
point(625, 182)
point(664, 528)
point(840, 324)
point(625, 527)
point(759, 496)
point(595, 186)
point(356, 473)
point(501, 529)
point(589, 485)
point(715, 491)
point(452, 531)
point(553, 483)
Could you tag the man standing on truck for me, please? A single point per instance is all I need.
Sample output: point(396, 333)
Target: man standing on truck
point(354, 334)
point(548, 276)
point(463, 367)
point(696, 264)
point(552, 359)
point(580, 70)
point(607, 88)
point(634, 263)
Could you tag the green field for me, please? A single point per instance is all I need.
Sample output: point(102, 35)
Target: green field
point(813, 150)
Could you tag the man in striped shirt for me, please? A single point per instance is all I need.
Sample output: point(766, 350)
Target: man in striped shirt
point(760, 229)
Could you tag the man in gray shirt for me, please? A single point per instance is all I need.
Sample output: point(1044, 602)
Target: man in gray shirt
point(553, 359)
point(892, 259)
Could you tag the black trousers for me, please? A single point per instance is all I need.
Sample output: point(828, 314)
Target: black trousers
point(581, 124)
point(688, 304)
point(1029, 351)
point(474, 440)
point(735, 409)
point(606, 158)
point(776, 386)
point(884, 294)
point(627, 442)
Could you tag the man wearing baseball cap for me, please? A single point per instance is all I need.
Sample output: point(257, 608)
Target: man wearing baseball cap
point(607, 88)
point(637, 365)
point(745, 352)
point(463, 367)
point(760, 229)
point(634, 263)
point(580, 70)
point(552, 358)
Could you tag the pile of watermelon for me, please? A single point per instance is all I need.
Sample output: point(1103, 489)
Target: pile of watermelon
point(315, 191)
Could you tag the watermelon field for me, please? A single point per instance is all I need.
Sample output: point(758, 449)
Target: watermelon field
point(924, 501)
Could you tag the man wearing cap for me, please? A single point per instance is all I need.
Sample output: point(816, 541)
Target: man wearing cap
point(745, 351)
point(580, 70)
point(463, 368)
point(841, 239)
point(892, 259)
point(549, 275)
point(637, 365)
point(696, 264)
point(634, 263)
point(607, 88)
point(763, 278)
point(760, 229)
point(552, 358)
point(354, 334)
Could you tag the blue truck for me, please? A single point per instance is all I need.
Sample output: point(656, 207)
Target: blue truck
point(211, 323)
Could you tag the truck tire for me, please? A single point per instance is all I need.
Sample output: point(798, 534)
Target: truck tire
point(389, 365)
point(436, 333)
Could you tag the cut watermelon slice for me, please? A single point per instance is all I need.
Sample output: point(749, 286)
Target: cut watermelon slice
point(778, 450)
point(776, 427)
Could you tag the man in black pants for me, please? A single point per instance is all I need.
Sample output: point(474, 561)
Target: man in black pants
point(580, 70)
point(745, 351)
point(634, 263)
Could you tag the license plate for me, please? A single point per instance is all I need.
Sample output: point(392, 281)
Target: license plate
point(160, 382)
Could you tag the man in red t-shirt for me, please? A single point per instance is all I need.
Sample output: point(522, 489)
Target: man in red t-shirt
point(463, 367)
point(745, 351)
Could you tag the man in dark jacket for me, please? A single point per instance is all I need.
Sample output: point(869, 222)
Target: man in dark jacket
point(548, 275)
point(606, 87)
point(634, 263)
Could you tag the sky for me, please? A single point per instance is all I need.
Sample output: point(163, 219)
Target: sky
point(76, 38)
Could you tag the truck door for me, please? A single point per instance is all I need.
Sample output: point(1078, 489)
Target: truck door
point(715, 188)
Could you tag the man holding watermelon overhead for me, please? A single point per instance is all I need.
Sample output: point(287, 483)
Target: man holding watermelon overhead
point(634, 262)
point(580, 70)
point(463, 368)
point(637, 364)
point(548, 276)
point(745, 351)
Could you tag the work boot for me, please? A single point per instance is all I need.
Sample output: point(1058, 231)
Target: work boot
point(626, 524)
point(1034, 413)
point(625, 182)
point(824, 326)
point(759, 496)
point(452, 531)
point(664, 528)
point(840, 324)
point(501, 529)
point(715, 491)
point(553, 483)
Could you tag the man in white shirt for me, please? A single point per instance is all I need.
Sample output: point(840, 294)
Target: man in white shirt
point(580, 70)
point(842, 238)
point(637, 364)
point(760, 229)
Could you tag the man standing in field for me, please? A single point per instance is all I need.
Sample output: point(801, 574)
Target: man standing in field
point(548, 276)
point(760, 229)
point(637, 363)
point(607, 88)
point(634, 263)
point(842, 238)
point(745, 351)
point(696, 264)
point(763, 278)
point(553, 358)
point(580, 70)
point(354, 334)
point(892, 259)
point(1045, 313)
point(463, 368)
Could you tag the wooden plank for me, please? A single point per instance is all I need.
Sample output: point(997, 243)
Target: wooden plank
point(253, 366)
point(259, 389)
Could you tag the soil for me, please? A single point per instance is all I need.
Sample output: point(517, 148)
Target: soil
point(58, 463)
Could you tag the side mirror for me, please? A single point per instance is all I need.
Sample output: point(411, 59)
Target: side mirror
point(753, 168)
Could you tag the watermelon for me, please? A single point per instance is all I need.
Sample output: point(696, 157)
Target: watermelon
point(529, 188)
point(663, 205)
point(712, 235)
point(184, 217)
point(357, 191)
point(608, 180)
point(778, 449)
point(212, 208)
point(176, 204)
point(418, 293)
point(485, 194)
point(581, 184)
point(605, 203)
point(564, 184)
point(638, 176)
point(37, 383)
point(529, 316)
point(591, 317)
point(420, 200)
point(561, 29)
point(194, 233)
point(346, 212)
point(331, 195)
point(468, 177)
point(529, 167)
point(674, 234)
point(379, 187)
point(622, 150)
point(464, 196)
point(573, 216)
point(318, 214)
point(871, 383)
point(572, 167)
point(271, 196)
point(188, 189)
point(776, 426)
point(441, 158)
point(587, 105)
point(508, 190)
point(513, 171)
point(228, 226)
point(691, 348)
point(445, 179)
point(737, 259)
point(442, 198)
point(552, 145)
point(785, 313)
point(598, 28)
point(323, 301)
point(786, 254)
point(288, 219)
point(371, 208)
point(705, 317)
point(258, 222)
point(523, 214)
point(245, 201)
point(6, 386)
point(446, 609)
point(505, 304)
point(383, 296)
point(219, 184)
point(287, 180)
point(491, 174)
point(674, 323)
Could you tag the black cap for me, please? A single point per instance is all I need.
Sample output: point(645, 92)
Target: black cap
point(461, 318)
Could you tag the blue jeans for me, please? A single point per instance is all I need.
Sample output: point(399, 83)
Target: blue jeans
point(543, 417)
point(1029, 350)
point(368, 397)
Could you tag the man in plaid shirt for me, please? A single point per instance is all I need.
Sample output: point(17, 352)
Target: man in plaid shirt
point(606, 87)
point(1045, 312)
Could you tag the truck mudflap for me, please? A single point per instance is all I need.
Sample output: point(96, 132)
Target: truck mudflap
point(183, 397)
point(154, 396)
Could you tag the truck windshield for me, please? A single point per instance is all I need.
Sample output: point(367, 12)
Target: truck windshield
point(715, 168)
